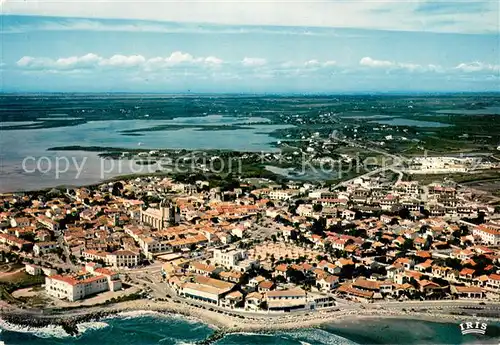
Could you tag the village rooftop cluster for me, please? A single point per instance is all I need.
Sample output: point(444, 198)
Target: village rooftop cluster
point(257, 245)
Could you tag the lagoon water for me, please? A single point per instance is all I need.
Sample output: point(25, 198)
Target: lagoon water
point(397, 121)
point(16, 145)
point(153, 328)
point(493, 110)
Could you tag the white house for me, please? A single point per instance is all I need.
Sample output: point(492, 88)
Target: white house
point(122, 258)
point(348, 214)
point(41, 248)
point(19, 222)
point(328, 284)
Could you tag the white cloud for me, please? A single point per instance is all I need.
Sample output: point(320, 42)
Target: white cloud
point(329, 63)
point(145, 26)
point(312, 63)
point(394, 65)
point(310, 66)
point(73, 62)
point(25, 61)
point(185, 64)
point(91, 60)
point(391, 15)
point(409, 66)
point(477, 67)
point(86, 60)
point(368, 61)
point(179, 57)
point(213, 60)
point(123, 61)
point(252, 61)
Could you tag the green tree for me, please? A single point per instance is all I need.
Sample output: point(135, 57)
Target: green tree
point(295, 276)
point(366, 245)
point(319, 226)
point(317, 208)
point(407, 245)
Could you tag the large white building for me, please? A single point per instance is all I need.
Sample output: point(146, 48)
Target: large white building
point(122, 258)
point(152, 246)
point(305, 210)
point(78, 286)
point(228, 258)
point(410, 188)
point(286, 300)
point(20, 222)
point(283, 194)
point(488, 233)
point(439, 165)
point(119, 258)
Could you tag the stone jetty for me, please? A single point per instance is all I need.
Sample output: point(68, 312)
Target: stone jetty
point(68, 323)
point(212, 338)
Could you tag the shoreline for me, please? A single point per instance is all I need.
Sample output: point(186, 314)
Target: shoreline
point(222, 322)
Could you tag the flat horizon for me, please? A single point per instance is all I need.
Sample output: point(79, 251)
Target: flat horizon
point(312, 94)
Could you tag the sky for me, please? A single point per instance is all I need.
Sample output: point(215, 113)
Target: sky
point(273, 46)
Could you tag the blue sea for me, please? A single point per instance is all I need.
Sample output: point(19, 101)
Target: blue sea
point(152, 328)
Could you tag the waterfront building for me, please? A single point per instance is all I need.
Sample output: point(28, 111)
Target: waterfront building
point(286, 300)
point(206, 289)
point(77, 286)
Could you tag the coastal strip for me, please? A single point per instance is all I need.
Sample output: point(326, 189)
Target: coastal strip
point(68, 323)
point(225, 323)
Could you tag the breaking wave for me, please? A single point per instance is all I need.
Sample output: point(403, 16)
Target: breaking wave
point(137, 313)
point(51, 331)
point(91, 326)
point(318, 336)
point(126, 315)
point(41, 332)
point(304, 337)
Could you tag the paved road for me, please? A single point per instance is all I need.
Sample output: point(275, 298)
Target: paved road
point(153, 268)
point(396, 162)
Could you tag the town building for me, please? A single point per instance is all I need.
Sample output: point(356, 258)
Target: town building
point(122, 258)
point(41, 248)
point(161, 217)
point(488, 233)
point(228, 258)
point(77, 286)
